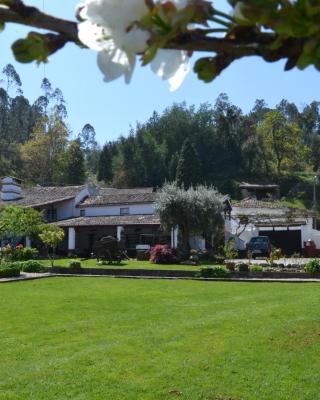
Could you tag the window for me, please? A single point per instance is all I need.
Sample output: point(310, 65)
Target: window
point(82, 213)
point(51, 215)
point(147, 239)
point(125, 211)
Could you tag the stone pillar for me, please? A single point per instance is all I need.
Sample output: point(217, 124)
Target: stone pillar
point(119, 232)
point(71, 240)
point(28, 242)
point(174, 238)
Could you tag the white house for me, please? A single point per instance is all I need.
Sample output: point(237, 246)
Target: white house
point(288, 228)
point(89, 213)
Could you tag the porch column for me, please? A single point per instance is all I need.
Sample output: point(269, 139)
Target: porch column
point(119, 232)
point(28, 242)
point(71, 240)
point(174, 238)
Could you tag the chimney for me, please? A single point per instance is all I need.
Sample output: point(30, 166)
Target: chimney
point(11, 189)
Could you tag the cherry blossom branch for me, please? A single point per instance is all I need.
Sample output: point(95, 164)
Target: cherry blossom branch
point(31, 16)
point(228, 48)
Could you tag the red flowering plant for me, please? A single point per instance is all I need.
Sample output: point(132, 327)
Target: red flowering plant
point(163, 254)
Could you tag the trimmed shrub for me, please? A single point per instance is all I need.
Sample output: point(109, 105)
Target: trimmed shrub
point(75, 265)
point(32, 266)
point(218, 271)
point(9, 272)
point(230, 266)
point(243, 267)
point(143, 255)
point(18, 253)
point(163, 254)
point(255, 268)
point(313, 267)
point(29, 253)
point(12, 265)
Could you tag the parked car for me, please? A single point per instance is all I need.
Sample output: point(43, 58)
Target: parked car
point(259, 246)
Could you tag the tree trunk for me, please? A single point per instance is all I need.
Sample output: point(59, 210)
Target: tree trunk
point(185, 246)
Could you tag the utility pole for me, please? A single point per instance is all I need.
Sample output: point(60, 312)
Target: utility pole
point(314, 200)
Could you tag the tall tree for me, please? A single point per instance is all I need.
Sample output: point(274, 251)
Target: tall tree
point(90, 148)
point(12, 79)
point(127, 164)
point(282, 140)
point(47, 145)
point(74, 165)
point(105, 172)
point(189, 168)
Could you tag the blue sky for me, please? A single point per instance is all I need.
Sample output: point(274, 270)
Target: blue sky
point(113, 107)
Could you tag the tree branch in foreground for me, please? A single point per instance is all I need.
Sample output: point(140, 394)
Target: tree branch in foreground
point(240, 43)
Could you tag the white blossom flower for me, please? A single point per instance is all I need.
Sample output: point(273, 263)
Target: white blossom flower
point(110, 27)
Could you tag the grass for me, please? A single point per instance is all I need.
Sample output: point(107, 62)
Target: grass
point(100, 338)
point(130, 264)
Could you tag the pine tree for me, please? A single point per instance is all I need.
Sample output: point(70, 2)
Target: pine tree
point(189, 167)
point(105, 172)
point(75, 170)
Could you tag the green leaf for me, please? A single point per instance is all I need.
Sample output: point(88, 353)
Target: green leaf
point(149, 54)
point(204, 67)
point(305, 60)
point(33, 48)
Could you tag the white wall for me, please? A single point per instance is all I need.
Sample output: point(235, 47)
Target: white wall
point(308, 233)
point(232, 231)
point(65, 209)
point(134, 209)
point(197, 242)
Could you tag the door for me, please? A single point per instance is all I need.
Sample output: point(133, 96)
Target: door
point(288, 241)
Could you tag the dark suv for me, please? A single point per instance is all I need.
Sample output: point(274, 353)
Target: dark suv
point(259, 246)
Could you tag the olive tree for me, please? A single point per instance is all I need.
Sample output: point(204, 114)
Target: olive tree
point(194, 211)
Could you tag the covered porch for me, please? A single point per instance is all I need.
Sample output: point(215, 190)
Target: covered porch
point(136, 231)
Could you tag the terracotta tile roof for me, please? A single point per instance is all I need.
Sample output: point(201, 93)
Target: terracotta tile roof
point(108, 190)
point(113, 220)
point(119, 198)
point(253, 203)
point(39, 195)
point(280, 222)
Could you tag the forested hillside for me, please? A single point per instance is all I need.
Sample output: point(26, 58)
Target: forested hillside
point(219, 144)
point(214, 144)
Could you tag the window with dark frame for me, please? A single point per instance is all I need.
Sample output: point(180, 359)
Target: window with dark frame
point(124, 211)
point(51, 215)
point(82, 213)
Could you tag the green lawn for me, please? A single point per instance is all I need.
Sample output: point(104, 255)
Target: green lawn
point(130, 264)
point(117, 339)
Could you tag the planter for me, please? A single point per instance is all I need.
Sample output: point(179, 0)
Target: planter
point(256, 274)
